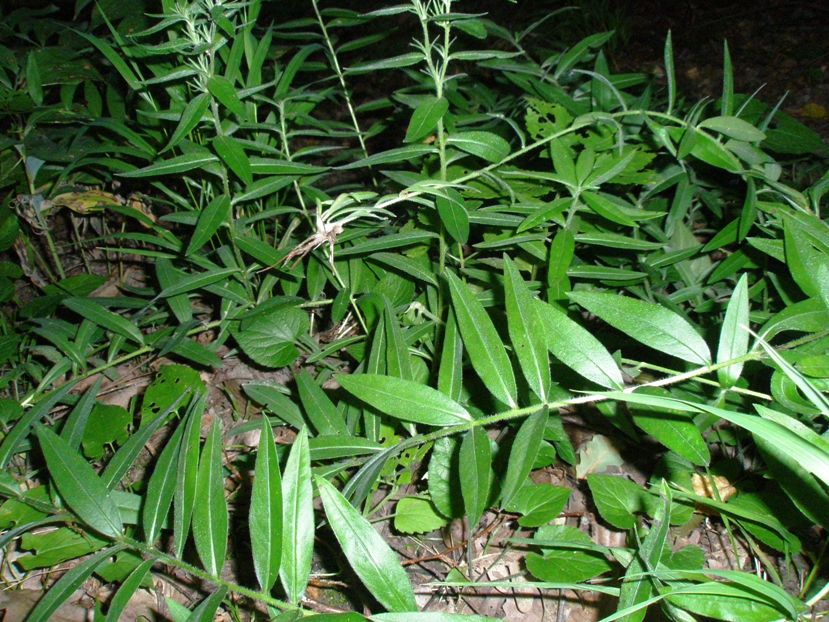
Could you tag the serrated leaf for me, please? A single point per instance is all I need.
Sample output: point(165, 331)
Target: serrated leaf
point(522, 454)
point(265, 516)
point(210, 515)
point(405, 399)
point(476, 474)
point(79, 485)
point(425, 118)
point(485, 145)
point(368, 554)
point(524, 325)
point(415, 515)
point(734, 335)
point(94, 312)
point(486, 351)
point(297, 519)
point(577, 348)
point(648, 323)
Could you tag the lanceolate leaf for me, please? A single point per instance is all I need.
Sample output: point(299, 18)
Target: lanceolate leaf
point(486, 351)
point(522, 454)
point(525, 327)
point(265, 518)
point(128, 588)
point(648, 323)
point(476, 473)
point(734, 334)
point(322, 413)
point(161, 487)
point(577, 348)
point(79, 485)
point(206, 610)
point(486, 145)
point(425, 118)
point(369, 555)
point(405, 399)
point(190, 117)
point(234, 157)
point(94, 312)
point(210, 516)
point(297, 519)
point(450, 372)
point(65, 587)
point(184, 497)
point(211, 218)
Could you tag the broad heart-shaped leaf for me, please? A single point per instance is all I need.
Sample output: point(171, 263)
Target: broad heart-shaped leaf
point(297, 519)
point(369, 555)
point(525, 327)
point(210, 516)
point(734, 334)
point(453, 214)
point(476, 473)
point(269, 337)
point(577, 348)
point(79, 485)
point(647, 323)
point(210, 219)
point(405, 399)
point(65, 587)
point(444, 483)
point(425, 117)
point(523, 453)
point(265, 516)
point(486, 145)
point(94, 312)
point(618, 499)
point(416, 515)
point(483, 345)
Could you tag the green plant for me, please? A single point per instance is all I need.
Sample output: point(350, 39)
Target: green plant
point(434, 278)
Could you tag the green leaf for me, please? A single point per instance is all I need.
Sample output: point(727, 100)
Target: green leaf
point(486, 351)
point(265, 516)
point(189, 120)
point(222, 89)
point(89, 309)
point(206, 610)
point(216, 214)
point(113, 57)
point(734, 335)
point(130, 585)
point(322, 413)
point(161, 487)
point(618, 499)
point(79, 485)
point(539, 503)
point(210, 516)
point(443, 478)
point(33, 82)
point(577, 348)
point(522, 454)
point(368, 553)
point(476, 474)
point(269, 337)
point(733, 127)
point(572, 56)
point(415, 515)
point(569, 556)
point(297, 519)
point(173, 166)
point(65, 587)
point(453, 214)
point(234, 157)
point(429, 616)
point(675, 430)
point(485, 145)
point(173, 386)
point(409, 153)
point(184, 496)
point(524, 326)
point(670, 72)
point(450, 371)
point(425, 118)
point(647, 323)
point(405, 399)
